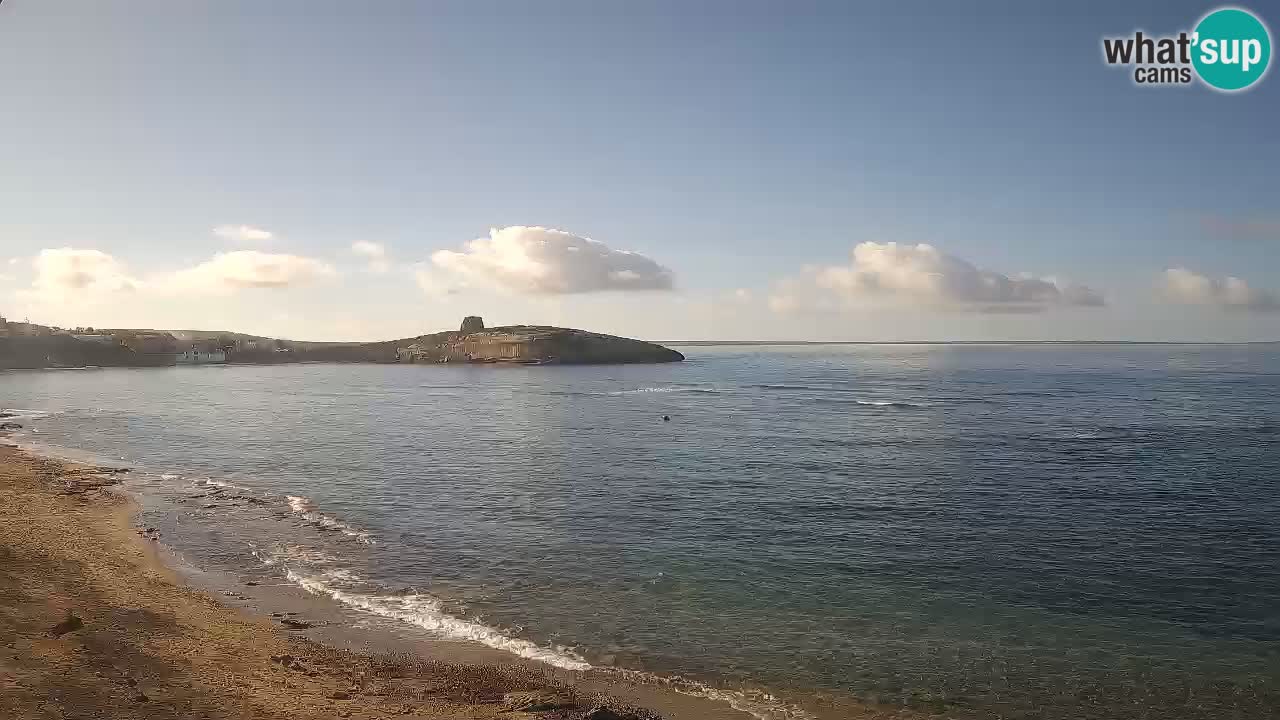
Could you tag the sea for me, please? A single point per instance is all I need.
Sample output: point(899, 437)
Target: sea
point(1031, 531)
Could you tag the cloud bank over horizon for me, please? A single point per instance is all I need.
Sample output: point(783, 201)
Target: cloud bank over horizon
point(540, 261)
point(1183, 286)
point(528, 273)
point(924, 276)
point(61, 272)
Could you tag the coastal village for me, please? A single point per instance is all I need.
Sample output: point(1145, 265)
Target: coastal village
point(27, 344)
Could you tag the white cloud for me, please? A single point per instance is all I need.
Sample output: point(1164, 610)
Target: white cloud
point(922, 275)
point(243, 233)
point(374, 253)
point(1181, 285)
point(66, 274)
point(249, 269)
point(433, 282)
point(543, 261)
point(77, 270)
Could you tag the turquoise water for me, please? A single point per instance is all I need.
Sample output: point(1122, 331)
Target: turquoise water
point(973, 531)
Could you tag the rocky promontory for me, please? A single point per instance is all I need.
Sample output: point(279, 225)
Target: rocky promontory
point(530, 344)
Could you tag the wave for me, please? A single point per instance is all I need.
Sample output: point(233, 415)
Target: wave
point(282, 554)
point(757, 703)
point(27, 414)
point(424, 611)
point(900, 404)
point(323, 579)
point(634, 391)
point(668, 389)
point(894, 404)
point(209, 482)
point(304, 508)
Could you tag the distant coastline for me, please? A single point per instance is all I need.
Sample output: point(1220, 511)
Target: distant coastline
point(29, 346)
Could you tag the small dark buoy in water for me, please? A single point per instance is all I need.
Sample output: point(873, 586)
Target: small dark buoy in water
point(666, 418)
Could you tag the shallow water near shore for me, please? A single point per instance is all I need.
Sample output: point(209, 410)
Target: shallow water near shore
point(976, 531)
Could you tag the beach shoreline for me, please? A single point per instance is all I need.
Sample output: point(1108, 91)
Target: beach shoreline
point(94, 622)
point(151, 632)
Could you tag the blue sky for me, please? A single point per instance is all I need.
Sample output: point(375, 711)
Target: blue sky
point(744, 146)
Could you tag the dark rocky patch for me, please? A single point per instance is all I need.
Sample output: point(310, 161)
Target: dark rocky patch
point(70, 624)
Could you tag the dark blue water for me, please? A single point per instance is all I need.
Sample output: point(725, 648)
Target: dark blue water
point(973, 531)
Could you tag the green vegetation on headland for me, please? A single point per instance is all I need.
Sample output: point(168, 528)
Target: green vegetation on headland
point(25, 345)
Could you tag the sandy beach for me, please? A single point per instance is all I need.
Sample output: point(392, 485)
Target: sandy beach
point(94, 625)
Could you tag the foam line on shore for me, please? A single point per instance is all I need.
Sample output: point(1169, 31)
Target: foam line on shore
point(424, 611)
point(304, 508)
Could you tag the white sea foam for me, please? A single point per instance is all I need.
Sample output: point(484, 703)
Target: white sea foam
point(324, 576)
point(886, 403)
point(304, 508)
point(210, 482)
point(896, 404)
point(424, 611)
point(170, 476)
point(757, 703)
point(639, 391)
point(284, 554)
point(27, 414)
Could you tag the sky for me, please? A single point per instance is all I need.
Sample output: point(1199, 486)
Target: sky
point(872, 171)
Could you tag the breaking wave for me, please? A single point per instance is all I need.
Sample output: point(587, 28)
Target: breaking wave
point(304, 508)
point(424, 611)
point(322, 574)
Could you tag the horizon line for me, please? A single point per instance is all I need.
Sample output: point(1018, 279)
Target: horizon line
point(966, 342)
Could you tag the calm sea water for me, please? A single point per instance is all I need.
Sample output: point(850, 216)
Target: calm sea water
point(976, 531)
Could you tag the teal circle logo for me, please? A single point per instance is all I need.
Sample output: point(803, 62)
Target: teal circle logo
point(1231, 49)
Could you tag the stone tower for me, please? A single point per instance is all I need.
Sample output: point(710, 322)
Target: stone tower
point(472, 323)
